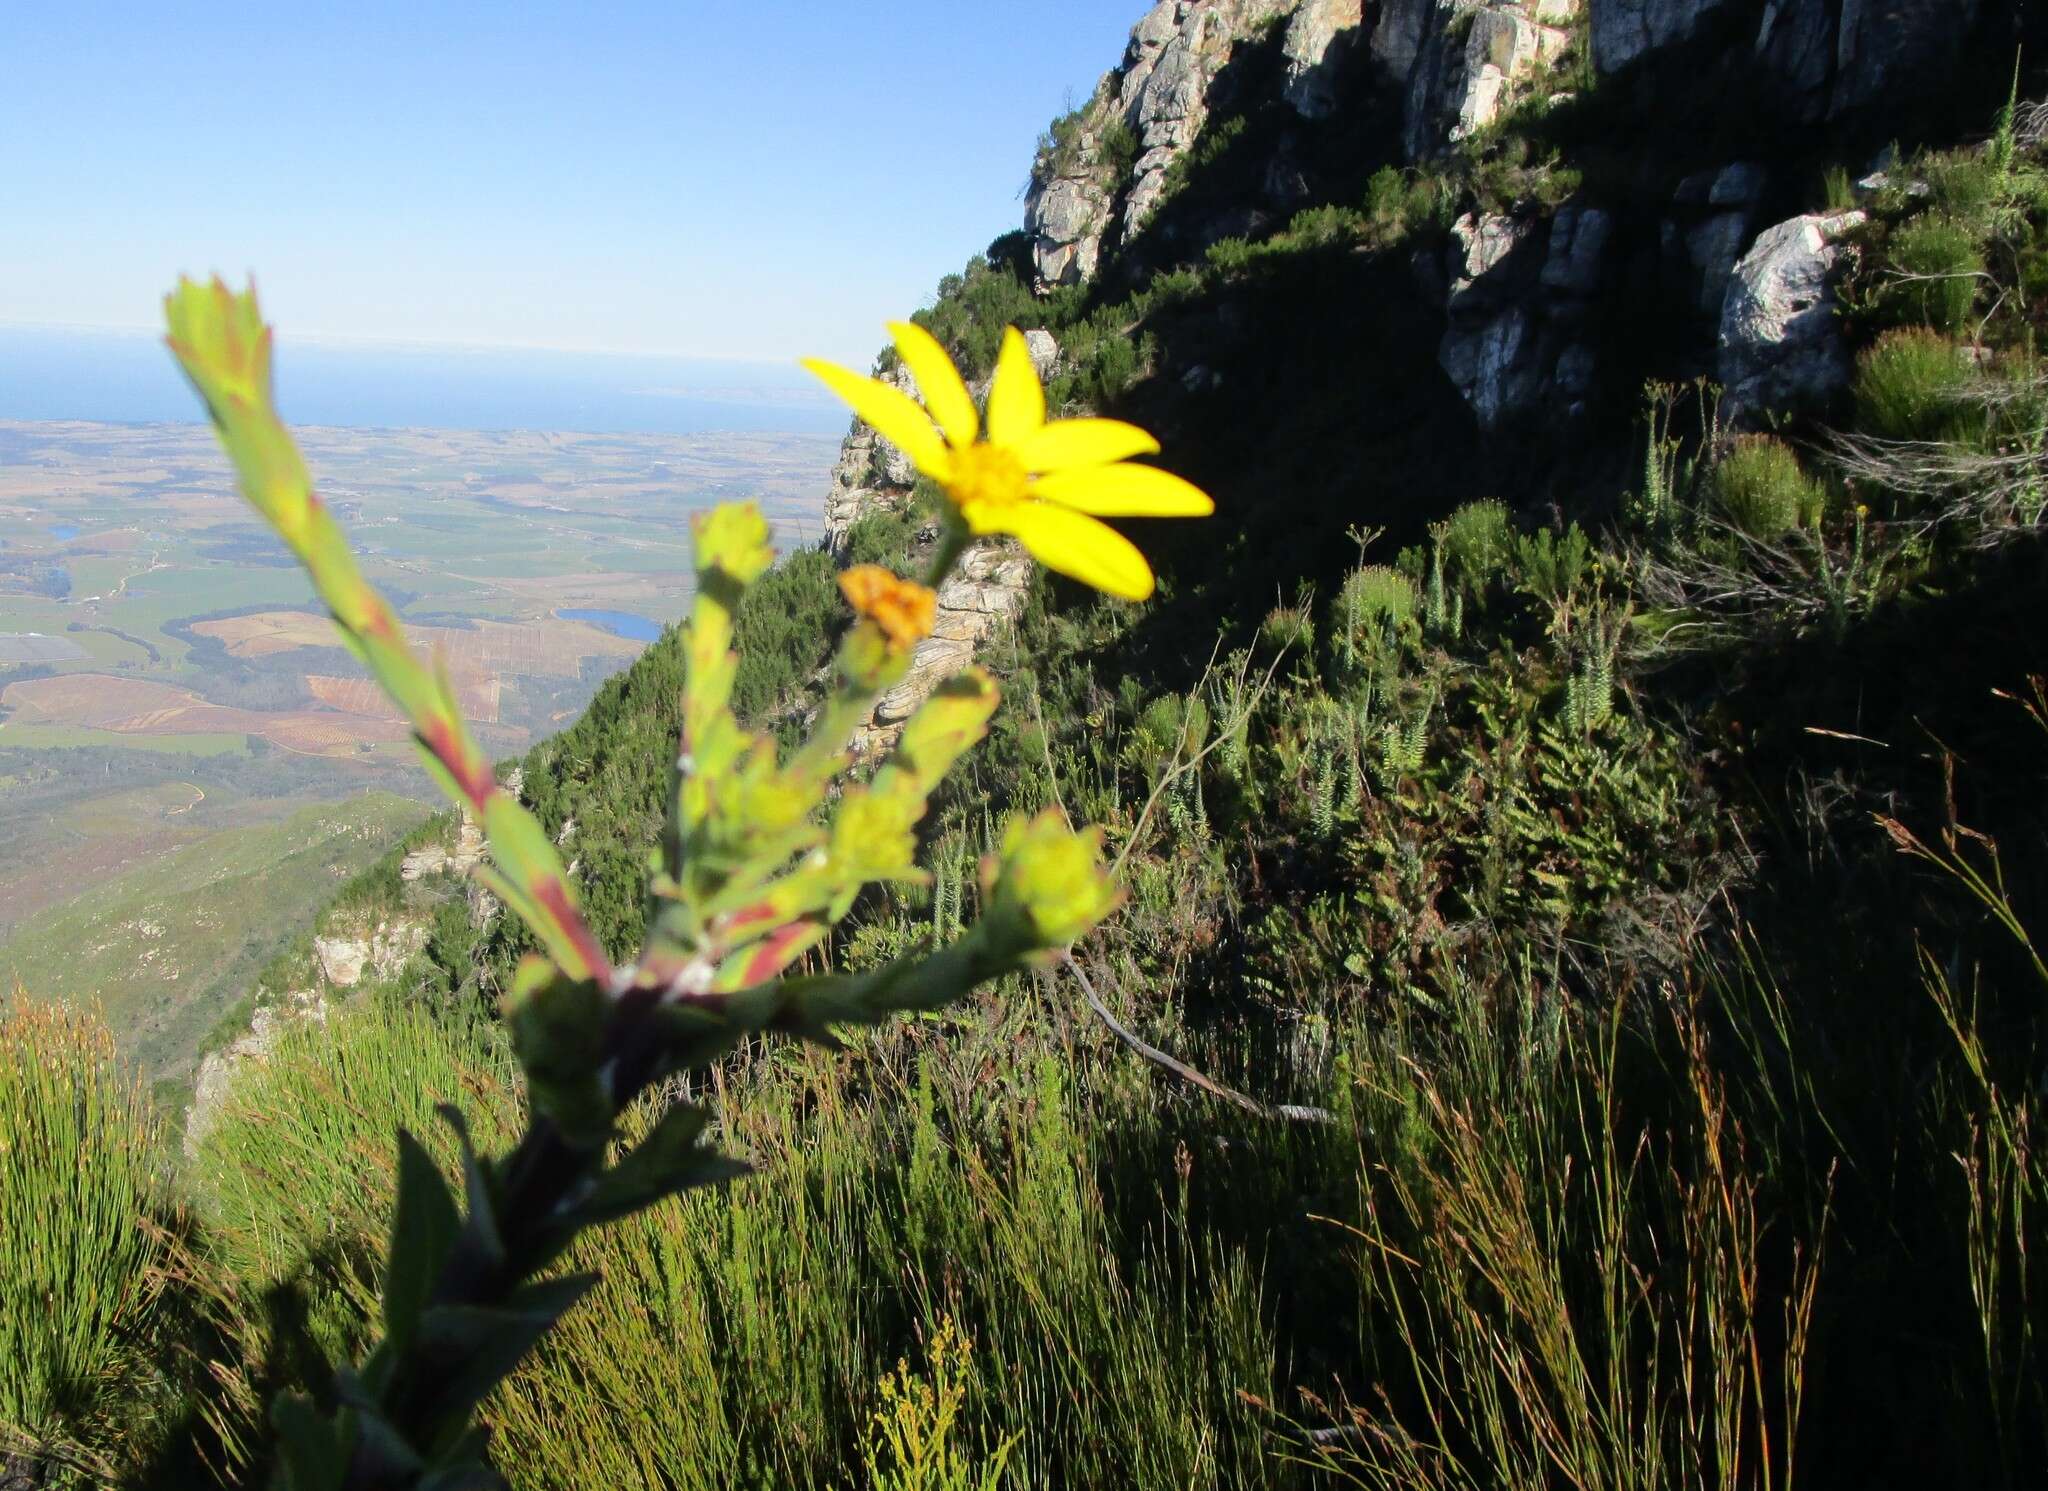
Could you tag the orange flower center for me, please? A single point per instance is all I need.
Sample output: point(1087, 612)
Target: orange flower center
point(903, 609)
point(986, 476)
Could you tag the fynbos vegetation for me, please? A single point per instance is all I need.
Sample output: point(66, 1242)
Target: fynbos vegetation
point(1552, 995)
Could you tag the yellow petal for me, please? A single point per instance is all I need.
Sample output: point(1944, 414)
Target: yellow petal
point(890, 410)
point(1123, 491)
point(937, 379)
point(1083, 442)
point(1016, 402)
point(1081, 548)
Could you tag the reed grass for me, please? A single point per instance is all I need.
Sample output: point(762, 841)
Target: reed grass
point(80, 1203)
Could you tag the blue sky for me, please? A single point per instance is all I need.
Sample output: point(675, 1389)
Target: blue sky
point(706, 180)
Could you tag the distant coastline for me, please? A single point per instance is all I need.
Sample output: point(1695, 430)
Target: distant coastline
point(123, 377)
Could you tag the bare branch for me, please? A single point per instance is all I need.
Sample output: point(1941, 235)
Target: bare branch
point(1284, 1112)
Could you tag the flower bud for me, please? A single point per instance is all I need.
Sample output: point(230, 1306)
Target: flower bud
point(733, 537)
point(1050, 886)
point(902, 610)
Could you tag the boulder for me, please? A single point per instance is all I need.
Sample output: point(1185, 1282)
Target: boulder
point(1492, 364)
point(1780, 342)
point(1045, 352)
point(341, 959)
point(1504, 49)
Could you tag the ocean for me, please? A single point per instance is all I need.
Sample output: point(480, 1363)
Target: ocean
point(49, 373)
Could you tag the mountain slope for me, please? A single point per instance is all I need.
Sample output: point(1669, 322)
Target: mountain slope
point(1565, 759)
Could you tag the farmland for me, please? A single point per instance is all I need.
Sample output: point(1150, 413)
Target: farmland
point(167, 677)
point(142, 605)
point(163, 947)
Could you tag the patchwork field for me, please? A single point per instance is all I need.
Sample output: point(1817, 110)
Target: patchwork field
point(139, 598)
point(164, 947)
point(156, 642)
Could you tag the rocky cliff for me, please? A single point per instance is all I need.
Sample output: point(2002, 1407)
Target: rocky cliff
point(1601, 232)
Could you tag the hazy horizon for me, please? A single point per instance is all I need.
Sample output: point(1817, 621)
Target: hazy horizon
point(117, 376)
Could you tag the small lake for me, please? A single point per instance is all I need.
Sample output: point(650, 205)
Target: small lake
point(63, 532)
point(618, 623)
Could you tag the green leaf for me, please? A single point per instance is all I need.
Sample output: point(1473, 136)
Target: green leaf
point(382, 1455)
point(481, 1244)
point(424, 1224)
point(312, 1451)
point(490, 1341)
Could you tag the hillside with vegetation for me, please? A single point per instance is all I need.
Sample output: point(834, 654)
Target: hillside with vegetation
point(1576, 1019)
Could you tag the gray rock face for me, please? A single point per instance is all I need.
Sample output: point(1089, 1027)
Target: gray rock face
point(217, 1072)
point(1164, 92)
point(1829, 56)
point(1869, 47)
point(1066, 218)
point(1318, 37)
point(1503, 51)
point(1780, 343)
point(1451, 88)
point(382, 951)
point(1160, 95)
point(1479, 247)
point(871, 474)
point(1493, 364)
point(1736, 185)
point(1624, 30)
point(986, 590)
point(458, 858)
point(1578, 250)
point(1519, 293)
point(1713, 247)
point(1403, 29)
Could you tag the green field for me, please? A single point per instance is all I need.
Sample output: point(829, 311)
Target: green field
point(166, 948)
point(29, 737)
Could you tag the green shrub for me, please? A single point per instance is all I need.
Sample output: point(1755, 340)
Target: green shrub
point(1837, 189)
point(1968, 187)
point(1119, 148)
point(1549, 565)
point(1941, 264)
point(1227, 255)
point(1373, 595)
point(1288, 626)
point(914, 1441)
point(1478, 539)
point(1763, 491)
point(79, 1167)
point(1912, 384)
point(1386, 197)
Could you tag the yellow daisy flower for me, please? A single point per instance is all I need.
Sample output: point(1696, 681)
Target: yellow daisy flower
point(1043, 482)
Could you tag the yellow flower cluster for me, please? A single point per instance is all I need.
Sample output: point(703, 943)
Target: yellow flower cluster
point(903, 610)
